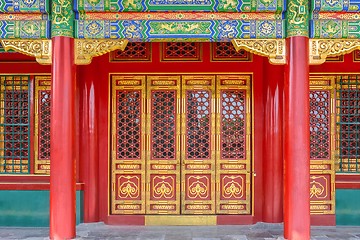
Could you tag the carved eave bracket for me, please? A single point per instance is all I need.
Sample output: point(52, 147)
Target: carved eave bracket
point(320, 49)
point(274, 49)
point(86, 49)
point(38, 48)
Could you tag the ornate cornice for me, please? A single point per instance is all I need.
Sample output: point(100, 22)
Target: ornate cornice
point(320, 49)
point(86, 49)
point(38, 48)
point(274, 49)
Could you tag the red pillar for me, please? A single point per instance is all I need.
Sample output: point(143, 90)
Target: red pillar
point(297, 140)
point(62, 140)
point(89, 141)
point(273, 161)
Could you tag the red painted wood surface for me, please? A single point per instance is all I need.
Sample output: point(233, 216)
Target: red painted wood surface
point(273, 159)
point(89, 161)
point(62, 140)
point(297, 141)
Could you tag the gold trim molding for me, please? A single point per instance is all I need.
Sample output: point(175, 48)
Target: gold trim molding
point(86, 49)
point(274, 49)
point(38, 48)
point(320, 49)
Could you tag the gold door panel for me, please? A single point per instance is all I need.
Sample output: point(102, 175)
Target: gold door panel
point(233, 154)
point(198, 144)
point(128, 144)
point(163, 145)
point(181, 144)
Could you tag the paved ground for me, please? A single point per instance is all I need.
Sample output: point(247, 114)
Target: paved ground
point(258, 231)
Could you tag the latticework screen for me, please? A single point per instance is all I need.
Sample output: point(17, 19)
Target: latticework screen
point(348, 123)
point(14, 124)
point(134, 51)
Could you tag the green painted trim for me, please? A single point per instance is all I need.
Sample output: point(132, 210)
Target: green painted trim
point(30, 208)
point(347, 207)
point(62, 18)
point(297, 18)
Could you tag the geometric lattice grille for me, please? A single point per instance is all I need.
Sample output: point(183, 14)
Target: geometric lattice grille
point(198, 115)
point(181, 51)
point(44, 124)
point(225, 51)
point(134, 51)
point(348, 123)
point(319, 124)
point(128, 124)
point(14, 124)
point(233, 124)
point(163, 132)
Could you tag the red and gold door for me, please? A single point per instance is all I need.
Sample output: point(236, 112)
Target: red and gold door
point(181, 144)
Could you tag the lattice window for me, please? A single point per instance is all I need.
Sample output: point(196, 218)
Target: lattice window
point(233, 124)
point(225, 51)
point(356, 55)
point(319, 124)
point(198, 115)
point(134, 51)
point(44, 124)
point(163, 126)
point(181, 51)
point(128, 124)
point(348, 123)
point(14, 124)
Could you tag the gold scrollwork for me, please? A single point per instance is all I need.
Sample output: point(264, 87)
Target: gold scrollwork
point(38, 48)
point(128, 187)
point(274, 49)
point(86, 49)
point(318, 189)
point(198, 187)
point(163, 188)
point(320, 49)
point(232, 188)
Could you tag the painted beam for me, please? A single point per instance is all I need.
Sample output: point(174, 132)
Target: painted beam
point(179, 5)
point(24, 29)
point(181, 30)
point(24, 6)
point(335, 29)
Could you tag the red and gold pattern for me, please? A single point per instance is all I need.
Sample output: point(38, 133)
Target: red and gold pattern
point(163, 162)
point(181, 51)
point(320, 124)
point(14, 96)
point(356, 55)
point(225, 51)
point(42, 124)
point(128, 142)
point(198, 146)
point(322, 145)
point(22, 17)
point(338, 15)
point(134, 51)
point(128, 187)
point(180, 16)
point(196, 158)
point(234, 156)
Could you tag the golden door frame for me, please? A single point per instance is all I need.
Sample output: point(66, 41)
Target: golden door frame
point(137, 175)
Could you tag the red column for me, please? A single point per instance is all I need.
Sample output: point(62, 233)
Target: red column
point(297, 140)
point(62, 141)
point(89, 142)
point(273, 160)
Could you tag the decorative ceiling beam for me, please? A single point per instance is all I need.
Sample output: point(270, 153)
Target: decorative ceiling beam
point(38, 48)
point(274, 49)
point(320, 49)
point(86, 49)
